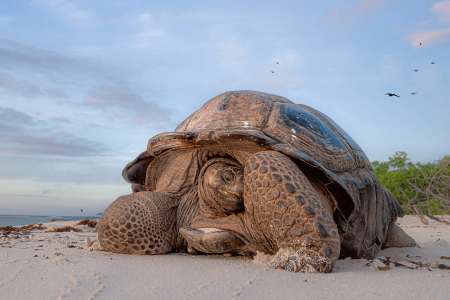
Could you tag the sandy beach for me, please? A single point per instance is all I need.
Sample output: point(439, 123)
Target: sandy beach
point(71, 265)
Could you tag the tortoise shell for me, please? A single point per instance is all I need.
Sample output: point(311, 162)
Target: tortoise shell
point(277, 119)
point(322, 149)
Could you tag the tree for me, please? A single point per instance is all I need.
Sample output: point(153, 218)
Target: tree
point(399, 161)
point(394, 173)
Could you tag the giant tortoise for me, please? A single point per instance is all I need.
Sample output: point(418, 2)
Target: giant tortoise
point(249, 172)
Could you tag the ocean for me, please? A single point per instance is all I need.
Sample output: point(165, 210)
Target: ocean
point(16, 220)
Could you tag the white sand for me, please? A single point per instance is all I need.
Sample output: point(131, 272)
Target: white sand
point(84, 274)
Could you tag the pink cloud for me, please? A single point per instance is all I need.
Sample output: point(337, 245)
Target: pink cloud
point(92, 101)
point(272, 83)
point(443, 10)
point(428, 37)
point(358, 11)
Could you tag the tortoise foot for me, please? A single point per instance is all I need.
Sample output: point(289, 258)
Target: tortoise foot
point(302, 261)
point(212, 240)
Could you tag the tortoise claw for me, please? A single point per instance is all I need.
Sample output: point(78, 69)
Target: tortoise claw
point(212, 240)
point(192, 251)
point(301, 261)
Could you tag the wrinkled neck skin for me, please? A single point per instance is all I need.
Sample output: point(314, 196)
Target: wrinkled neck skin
point(177, 172)
point(187, 211)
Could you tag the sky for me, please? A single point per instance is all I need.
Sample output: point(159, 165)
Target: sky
point(85, 84)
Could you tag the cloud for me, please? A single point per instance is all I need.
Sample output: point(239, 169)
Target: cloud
point(56, 171)
point(200, 16)
point(69, 11)
point(363, 7)
point(57, 143)
point(428, 38)
point(37, 140)
point(230, 48)
point(45, 192)
point(443, 10)
point(192, 16)
point(287, 58)
point(19, 87)
point(15, 117)
point(288, 81)
point(16, 195)
point(150, 33)
point(60, 120)
point(145, 18)
point(8, 129)
point(122, 102)
point(28, 90)
point(144, 27)
point(16, 56)
point(57, 93)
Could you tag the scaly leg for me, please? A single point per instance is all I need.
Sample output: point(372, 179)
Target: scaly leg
point(139, 223)
point(291, 213)
point(396, 237)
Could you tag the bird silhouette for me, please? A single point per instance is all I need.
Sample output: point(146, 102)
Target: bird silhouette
point(81, 210)
point(277, 63)
point(420, 44)
point(432, 62)
point(414, 93)
point(272, 71)
point(416, 70)
point(390, 95)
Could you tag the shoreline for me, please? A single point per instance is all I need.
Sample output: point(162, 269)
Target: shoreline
point(23, 220)
point(43, 265)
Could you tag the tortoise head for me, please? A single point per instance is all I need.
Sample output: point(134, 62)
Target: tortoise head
point(221, 185)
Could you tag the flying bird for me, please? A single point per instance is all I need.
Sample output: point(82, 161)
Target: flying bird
point(272, 71)
point(81, 210)
point(432, 62)
point(416, 70)
point(414, 93)
point(277, 63)
point(390, 95)
point(420, 44)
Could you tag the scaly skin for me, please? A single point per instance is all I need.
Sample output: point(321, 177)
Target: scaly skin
point(284, 215)
point(290, 212)
point(139, 223)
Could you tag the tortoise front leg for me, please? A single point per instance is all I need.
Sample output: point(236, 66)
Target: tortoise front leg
point(291, 213)
point(139, 223)
point(214, 240)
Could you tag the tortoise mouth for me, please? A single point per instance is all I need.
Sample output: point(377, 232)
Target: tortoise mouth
point(228, 193)
point(232, 202)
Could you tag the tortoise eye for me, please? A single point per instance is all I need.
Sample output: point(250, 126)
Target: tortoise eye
point(228, 177)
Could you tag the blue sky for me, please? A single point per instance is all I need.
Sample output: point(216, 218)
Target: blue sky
point(85, 84)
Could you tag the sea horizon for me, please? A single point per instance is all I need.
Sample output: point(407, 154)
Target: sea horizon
point(21, 220)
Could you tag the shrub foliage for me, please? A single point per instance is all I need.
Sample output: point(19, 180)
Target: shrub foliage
point(417, 187)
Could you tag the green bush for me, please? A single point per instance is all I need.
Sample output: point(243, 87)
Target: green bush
point(395, 173)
